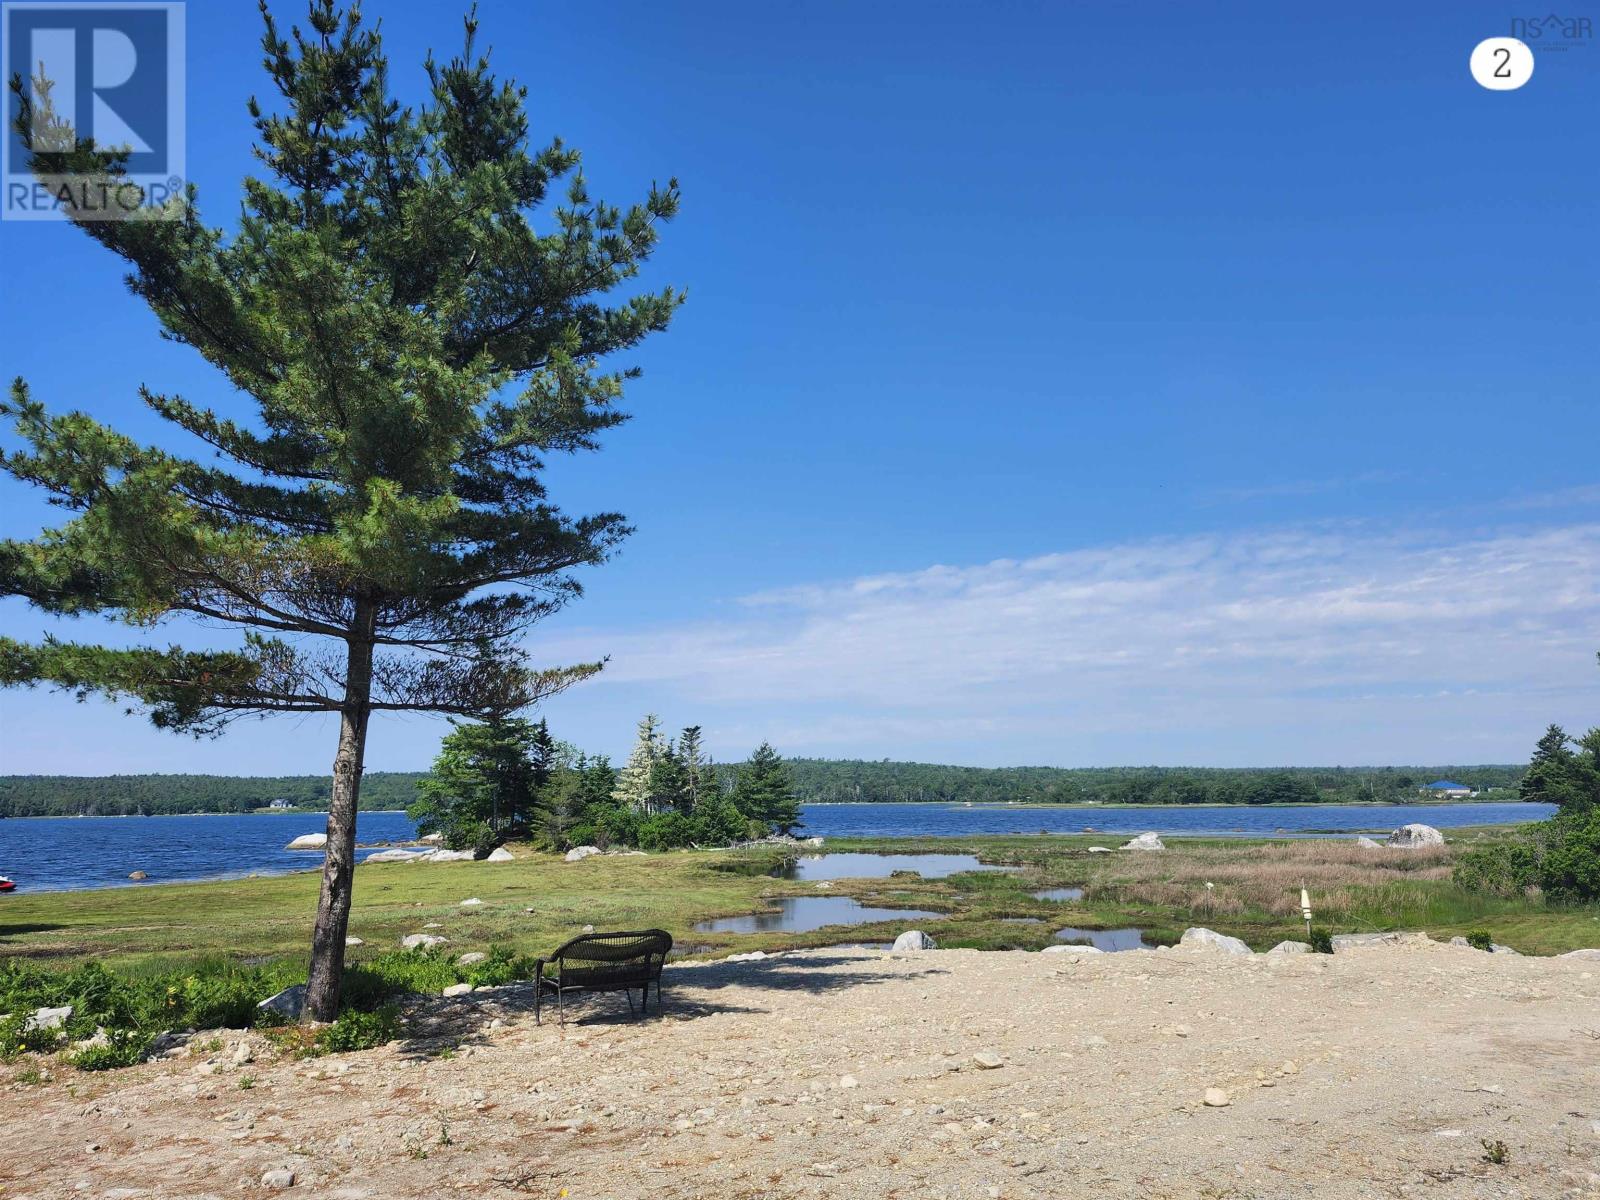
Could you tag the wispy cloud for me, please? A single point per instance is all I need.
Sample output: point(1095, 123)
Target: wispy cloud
point(1333, 631)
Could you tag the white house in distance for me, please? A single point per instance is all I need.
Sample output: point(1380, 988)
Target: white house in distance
point(1447, 789)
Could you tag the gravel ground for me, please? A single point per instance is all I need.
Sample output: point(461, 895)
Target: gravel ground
point(1379, 1072)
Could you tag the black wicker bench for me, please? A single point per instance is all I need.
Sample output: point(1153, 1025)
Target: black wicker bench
point(604, 962)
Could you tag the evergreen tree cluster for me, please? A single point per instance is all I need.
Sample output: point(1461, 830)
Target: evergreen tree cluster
point(501, 779)
point(1560, 857)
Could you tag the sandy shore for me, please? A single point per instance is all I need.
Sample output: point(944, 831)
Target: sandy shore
point(1379, 1072)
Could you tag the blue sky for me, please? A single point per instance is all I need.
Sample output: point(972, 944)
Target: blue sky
point(1059, 383)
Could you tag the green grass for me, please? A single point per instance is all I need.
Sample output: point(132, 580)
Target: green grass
point(536, 902)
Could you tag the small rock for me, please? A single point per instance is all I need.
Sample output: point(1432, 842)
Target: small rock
point(1367, 843)
point(471, 902)
point(914, 939)
point(1217, 1098)
point(353, 941)
point(49, 1018)
point(987, 1060)
point(750, 956)
point(421, 941)
point(1145, 841)
point(136, 875)
point(278, 1179)
point(1100, 850)
point(289, 1002)
point(309, 841)
point(457, 989)
point(499, 854)
point(470, 957)
point(1209, 939)
point(579, 853)
point(1291, 948)
point(848, 1081)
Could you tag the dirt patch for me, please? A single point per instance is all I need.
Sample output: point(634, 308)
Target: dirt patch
point(1375, 1073)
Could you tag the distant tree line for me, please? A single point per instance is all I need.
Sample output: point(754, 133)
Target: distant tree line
point(819, 780)
point(167, 795)
point(814, 780)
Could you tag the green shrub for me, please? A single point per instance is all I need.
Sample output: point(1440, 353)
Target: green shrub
point(121, 1048)
point(501, 967)
point(1321, 941)
point(1561, 856)
point(1479, 939)
point(1569, 868)
point(356, 1030)
point(1504, 869)
point(17, 1037)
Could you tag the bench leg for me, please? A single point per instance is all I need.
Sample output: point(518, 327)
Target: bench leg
point(538, 995)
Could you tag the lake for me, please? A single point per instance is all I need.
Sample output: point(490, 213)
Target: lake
point(52, 853)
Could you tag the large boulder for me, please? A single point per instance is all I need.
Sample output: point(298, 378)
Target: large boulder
point(288, 1002)
point(914, 939)
point(1145, 841)
point(1414, 837)
point(1209, 939)
point(499, 854)
point(309, 841)
point(579, 853)
point(449, 856)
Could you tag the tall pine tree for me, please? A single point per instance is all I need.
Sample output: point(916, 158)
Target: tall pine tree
point(414, 343)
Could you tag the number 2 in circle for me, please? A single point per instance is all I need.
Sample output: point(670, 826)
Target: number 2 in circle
point(1503, 71)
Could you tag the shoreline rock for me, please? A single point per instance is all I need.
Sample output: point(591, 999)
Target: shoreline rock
point(1414, 837)
point(309, 841)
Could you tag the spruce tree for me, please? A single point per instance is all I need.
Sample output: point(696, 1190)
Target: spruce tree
point(413, 343)
point(633, 781)
point(703, 786)
point(765, 791)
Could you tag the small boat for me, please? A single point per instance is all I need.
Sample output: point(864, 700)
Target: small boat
point(6, 885)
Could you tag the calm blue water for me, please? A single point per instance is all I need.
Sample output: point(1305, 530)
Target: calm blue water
point(52, 853)
point(954, 820)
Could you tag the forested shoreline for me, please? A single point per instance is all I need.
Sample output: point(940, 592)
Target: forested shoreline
point(816, 781)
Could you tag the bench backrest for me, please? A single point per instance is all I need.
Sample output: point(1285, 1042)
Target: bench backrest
point(614, 959)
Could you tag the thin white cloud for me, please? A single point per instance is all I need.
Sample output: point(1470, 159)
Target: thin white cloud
point(1340, 627)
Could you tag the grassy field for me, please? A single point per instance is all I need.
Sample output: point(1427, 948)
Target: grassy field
point(534, 903)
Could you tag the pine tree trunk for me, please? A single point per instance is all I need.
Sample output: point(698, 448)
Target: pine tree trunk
point(338, 869)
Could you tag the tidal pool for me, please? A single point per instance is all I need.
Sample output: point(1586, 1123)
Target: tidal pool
point(1109, 940)
point(801, 914)
point(879, 866)
point(1059, 894)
